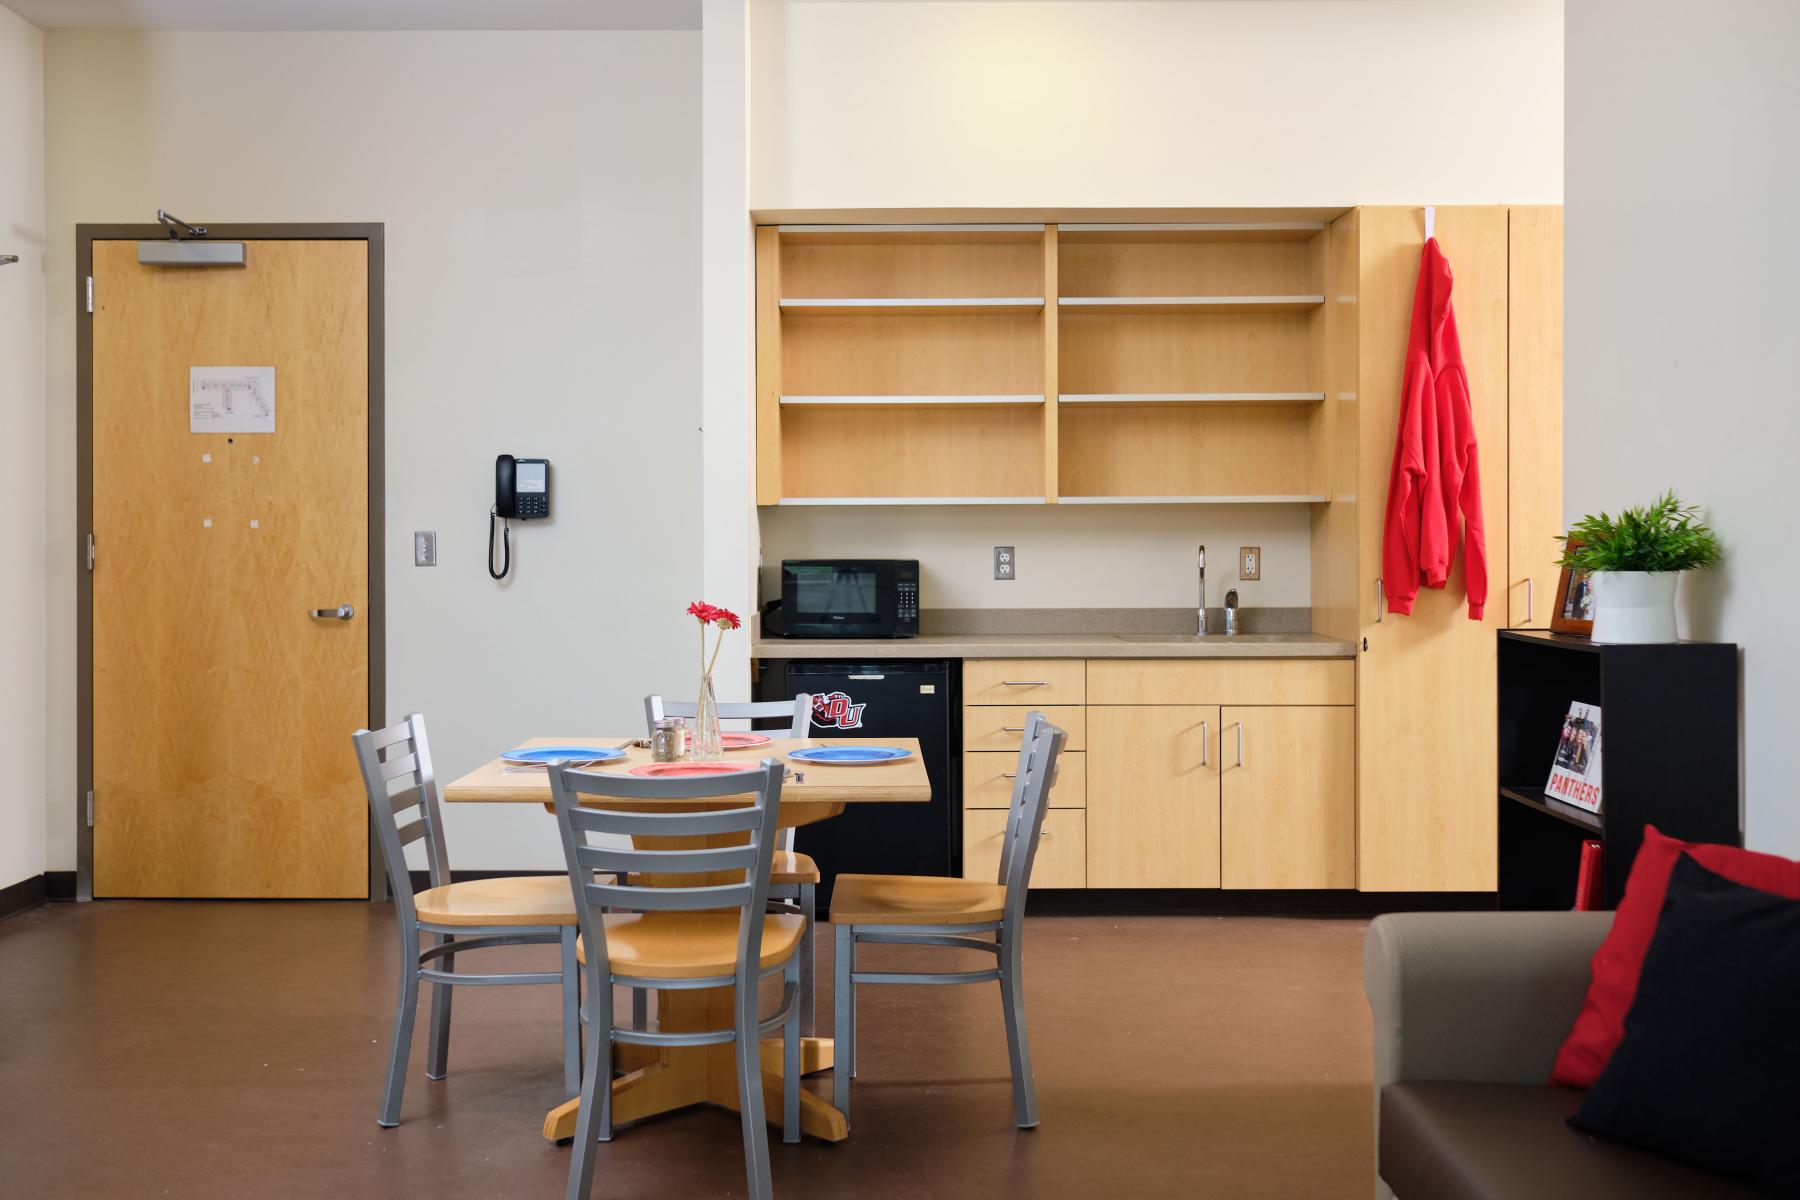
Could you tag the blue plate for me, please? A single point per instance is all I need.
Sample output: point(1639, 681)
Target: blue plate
point(548, 754)
point(849, 756)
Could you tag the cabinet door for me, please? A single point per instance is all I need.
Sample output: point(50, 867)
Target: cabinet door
point(1153, 796)
point(1287, 810)
point(1061, 860)
point(1534, 351)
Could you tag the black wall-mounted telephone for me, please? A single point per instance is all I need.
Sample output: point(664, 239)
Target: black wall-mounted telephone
point(521, 491)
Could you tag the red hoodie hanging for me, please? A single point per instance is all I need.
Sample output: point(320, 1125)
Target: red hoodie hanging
point(1435, 477)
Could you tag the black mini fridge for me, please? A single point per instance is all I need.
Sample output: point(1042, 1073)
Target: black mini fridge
point(906, 698)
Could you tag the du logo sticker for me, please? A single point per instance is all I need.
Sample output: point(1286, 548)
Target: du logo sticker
point(834, 709)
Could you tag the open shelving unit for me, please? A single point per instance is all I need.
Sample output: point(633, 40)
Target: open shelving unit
point(1162, 363)
point(1668, 756)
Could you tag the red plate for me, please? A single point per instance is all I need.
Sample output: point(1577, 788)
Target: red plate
point(742, 741)
point(664, 770)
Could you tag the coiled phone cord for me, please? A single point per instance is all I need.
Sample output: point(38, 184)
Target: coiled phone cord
point(505, 543)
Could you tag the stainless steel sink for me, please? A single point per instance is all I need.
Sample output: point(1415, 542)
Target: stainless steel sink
point(1180, 639)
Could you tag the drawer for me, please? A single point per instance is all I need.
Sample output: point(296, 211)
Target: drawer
point(986, 782)
point(1062, 851)
point(1221, 681)
point(1001, 727)
point(1034, 681)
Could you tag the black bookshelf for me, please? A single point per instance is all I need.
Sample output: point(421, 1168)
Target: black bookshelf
point(1668, 756)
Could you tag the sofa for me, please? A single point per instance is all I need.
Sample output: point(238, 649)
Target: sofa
point(1469, 1010)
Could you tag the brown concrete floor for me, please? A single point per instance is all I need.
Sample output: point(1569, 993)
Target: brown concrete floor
point(235, 1050)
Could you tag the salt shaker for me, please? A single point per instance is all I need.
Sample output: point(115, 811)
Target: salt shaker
point(668, 740)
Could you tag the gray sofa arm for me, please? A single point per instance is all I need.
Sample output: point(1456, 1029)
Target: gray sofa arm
point(1483, 997)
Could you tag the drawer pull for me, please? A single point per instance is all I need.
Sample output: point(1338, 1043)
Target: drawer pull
point(1026, 682)
point(1043, 834)
point(1009, 774)
point(1012, 729)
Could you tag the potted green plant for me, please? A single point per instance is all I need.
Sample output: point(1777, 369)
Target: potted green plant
point(1633, 561)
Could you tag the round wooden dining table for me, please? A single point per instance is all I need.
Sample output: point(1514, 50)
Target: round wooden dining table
point(662, 1079)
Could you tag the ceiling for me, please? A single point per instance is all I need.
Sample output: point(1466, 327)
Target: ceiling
point(290, 15)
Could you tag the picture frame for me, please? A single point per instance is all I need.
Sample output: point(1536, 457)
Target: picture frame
point(1574, 611)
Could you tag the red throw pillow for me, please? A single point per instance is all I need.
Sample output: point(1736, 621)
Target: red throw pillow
point(1601, 1025)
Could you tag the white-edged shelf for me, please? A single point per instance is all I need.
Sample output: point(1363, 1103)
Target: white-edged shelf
point(876, 501)
point(932, 306)
point(1191, 231)
point(1187, 304)
point(1027, 400)
point(888, 235)
point(1190, 398)
point(1294, 499)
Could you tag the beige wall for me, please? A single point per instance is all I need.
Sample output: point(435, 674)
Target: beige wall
point(1209, 104)
point(1681, 321)
point(22, 598)
point(541, 198)
point(1069, 556)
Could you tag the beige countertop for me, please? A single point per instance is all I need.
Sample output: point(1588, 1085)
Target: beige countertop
point(1061, 645)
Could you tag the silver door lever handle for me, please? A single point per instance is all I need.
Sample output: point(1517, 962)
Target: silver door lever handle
point(342, 612)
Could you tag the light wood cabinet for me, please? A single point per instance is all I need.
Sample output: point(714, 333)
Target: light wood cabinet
point(1032, 681)
point(1153, 797)
point(987, 780)
point(1534, 414)
point(1001, 726)
point(1062, 848)
point(1287, 810)
point(1221, 681)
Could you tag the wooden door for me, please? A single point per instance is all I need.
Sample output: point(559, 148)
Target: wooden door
point(1534, 413)
point(1287, 808)
point(222, 710)
point(1153, 796)
point(1425, 757)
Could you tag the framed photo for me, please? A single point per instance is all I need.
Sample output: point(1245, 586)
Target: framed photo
point(1574, 611)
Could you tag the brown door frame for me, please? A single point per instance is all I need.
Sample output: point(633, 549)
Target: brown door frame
point(85, 237)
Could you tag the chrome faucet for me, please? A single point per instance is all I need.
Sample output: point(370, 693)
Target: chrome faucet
point(1202, 614)
point(1231, 625)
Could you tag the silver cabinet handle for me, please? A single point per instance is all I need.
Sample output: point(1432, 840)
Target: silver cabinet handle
point(1026, 682)
point(1012, 729)
point(1380, 600)
point(1240, 740)
point(342, 612)
point(1205, 742)
point(1043, 833)
point(1529, 581)
point(1009, 774)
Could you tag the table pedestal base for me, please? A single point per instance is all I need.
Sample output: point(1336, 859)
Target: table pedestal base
point(661, 1079)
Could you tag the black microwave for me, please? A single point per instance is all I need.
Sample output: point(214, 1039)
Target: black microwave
point(849, 598)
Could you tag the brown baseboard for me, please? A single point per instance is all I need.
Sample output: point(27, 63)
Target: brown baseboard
point(27, 893)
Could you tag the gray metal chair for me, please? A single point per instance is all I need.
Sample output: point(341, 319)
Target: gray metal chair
point(930, 911)
point(707, 935)
point(793, 877)
point(460, 917)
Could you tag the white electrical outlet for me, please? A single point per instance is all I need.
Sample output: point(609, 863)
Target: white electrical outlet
point(1249, 562)
point(425, 548)
point(1005, 563)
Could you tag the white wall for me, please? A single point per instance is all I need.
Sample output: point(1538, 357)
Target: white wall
point(1069, 556)
point(1210, 104)
point(541, 199)
point(1234, 102)
point(1681, 318)
point(22, 599)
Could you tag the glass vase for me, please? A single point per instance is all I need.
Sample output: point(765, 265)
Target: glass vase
point(708, 746)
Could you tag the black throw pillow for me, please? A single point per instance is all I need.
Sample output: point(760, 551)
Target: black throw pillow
point(1709, 1069)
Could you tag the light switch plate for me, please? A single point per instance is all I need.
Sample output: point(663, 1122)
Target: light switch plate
point(425, 548)
point(1249, 562)
point(1005, 563)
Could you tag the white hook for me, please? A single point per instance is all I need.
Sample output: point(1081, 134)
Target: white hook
point(1430, 222)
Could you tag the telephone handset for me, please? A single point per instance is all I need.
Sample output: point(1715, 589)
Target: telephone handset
point(522, 492)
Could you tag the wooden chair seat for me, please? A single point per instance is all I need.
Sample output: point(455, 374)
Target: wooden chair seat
point(514, 900)
point(915, 900)
point(690, 945)
point(791, 867)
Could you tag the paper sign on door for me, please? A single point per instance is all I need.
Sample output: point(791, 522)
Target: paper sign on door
point(231, 399)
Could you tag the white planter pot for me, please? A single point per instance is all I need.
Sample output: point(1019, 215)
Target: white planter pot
point(1634, 606)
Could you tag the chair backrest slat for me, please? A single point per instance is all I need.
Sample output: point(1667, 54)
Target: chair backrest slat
point(1038, 756)
point(652, 862)
point(398, 777)
point(798, 711)
point(678, 856)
